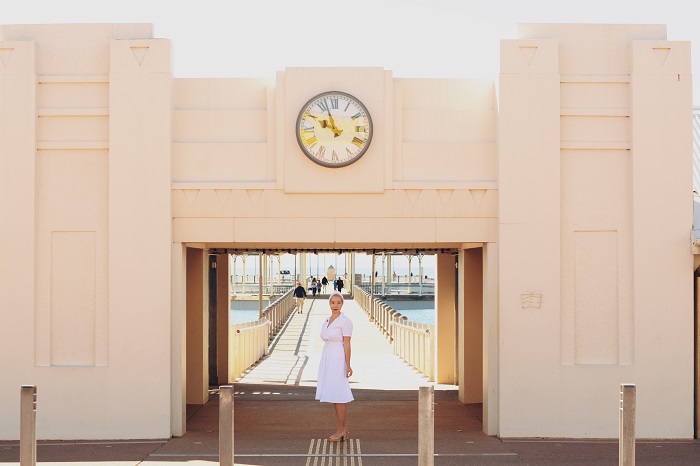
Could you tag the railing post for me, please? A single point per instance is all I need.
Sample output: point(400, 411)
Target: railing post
point(226, 425)
point(628, 409)
point(426, 426)
point(431, 354)
point(27, 426)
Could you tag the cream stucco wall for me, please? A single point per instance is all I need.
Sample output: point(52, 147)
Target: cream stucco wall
point(85, 294)
point(113, 174)
point(594, 210)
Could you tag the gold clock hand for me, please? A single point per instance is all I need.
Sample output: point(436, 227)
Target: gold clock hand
point(336, 132)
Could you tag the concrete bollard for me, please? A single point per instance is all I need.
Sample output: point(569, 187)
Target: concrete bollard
point(426, 426)
point(628, 410)
point(226, 425)
point(27, 426)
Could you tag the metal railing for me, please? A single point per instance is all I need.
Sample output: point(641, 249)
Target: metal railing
point(254, 289)
point(249, 342)
point(428, 289)
point(413, 342)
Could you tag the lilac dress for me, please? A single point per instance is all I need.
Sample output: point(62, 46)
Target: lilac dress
point(333, 385)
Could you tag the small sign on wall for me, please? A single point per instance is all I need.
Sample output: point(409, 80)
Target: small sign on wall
point(531, 300)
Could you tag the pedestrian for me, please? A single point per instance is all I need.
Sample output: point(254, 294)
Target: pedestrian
point(340, 284)
point(334, 370)
point(324, 282)
point(299, 295)
point(314, 285)
point(335, 284)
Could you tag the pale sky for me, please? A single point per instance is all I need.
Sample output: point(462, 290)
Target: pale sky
point(412, 38)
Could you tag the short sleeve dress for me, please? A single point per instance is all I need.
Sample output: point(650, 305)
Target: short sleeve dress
point(333, 385)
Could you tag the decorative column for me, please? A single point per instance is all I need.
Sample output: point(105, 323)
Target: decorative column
point(409, 257)
point(383, 273)
point(389, 274)
point(233, 284)
point(244, 278)
point(420, 272)
point(279, 267)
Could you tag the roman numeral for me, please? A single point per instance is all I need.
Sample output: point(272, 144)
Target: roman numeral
point(312, 141)
point(346, 107)
point(321, 152)
point(322, 105)
point(356, 116)
point(358, 142)
point(334, 103)
point(360, 129)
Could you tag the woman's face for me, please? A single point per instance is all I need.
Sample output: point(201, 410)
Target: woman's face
point(336, 303)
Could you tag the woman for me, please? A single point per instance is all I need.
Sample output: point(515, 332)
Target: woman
point(334, 369)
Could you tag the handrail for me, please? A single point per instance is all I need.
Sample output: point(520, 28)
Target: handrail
point(254, 289)
point(249, 341)
point(413, 342)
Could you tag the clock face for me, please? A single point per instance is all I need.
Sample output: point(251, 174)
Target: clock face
point(334, 129)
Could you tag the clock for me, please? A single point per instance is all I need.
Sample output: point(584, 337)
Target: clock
point(334, 129)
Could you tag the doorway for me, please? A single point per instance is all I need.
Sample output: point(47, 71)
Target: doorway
point(462, 294)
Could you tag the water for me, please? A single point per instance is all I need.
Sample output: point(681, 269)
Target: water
point(416, 311)
point(243, 311)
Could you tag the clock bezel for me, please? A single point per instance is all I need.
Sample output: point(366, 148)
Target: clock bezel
point(362, 152)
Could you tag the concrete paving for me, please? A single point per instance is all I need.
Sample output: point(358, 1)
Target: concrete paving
point(278, 422)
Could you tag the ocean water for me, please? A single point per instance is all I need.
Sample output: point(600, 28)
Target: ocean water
point(416, 311)
point(243, 311)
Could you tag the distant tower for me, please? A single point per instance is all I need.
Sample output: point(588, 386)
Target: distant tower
point(330, 273)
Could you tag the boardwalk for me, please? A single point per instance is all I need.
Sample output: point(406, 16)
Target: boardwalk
point(295, 355)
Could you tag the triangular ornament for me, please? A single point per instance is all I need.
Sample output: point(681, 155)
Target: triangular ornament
point(140, 52)
point(223, 195)
point(445, 195)
point(528, 52)
point(254, 195)
point(191, 195)
point(413, 195)
point(662, 54)
point(477, 195)
point(5, 55)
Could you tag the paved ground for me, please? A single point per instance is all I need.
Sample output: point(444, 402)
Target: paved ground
point(278, 422)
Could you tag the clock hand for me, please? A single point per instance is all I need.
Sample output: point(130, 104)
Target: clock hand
point(336, 132)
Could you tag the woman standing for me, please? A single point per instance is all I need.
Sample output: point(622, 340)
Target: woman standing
point(334, 369)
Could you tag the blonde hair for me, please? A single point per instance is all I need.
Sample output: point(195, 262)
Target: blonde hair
point(335, 293)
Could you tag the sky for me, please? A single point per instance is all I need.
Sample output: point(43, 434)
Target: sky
point(317, 265)
point(412, 38)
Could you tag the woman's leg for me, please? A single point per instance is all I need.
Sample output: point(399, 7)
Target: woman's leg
point(340, 414)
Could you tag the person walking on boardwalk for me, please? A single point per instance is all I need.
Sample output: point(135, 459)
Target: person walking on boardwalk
point(334, 369)
point(340, 284)
point(324, 282)
point(299, 295)
point(314, 284)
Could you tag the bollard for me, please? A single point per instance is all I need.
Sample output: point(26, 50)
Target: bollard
point(27, 426)
point(426, 426)
point(628, 408)
point(226, 425)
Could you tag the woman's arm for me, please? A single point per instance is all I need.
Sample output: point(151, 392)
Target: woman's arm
point(346, 345)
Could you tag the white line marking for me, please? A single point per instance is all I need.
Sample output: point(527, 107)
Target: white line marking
point(359, 452)
point(311, 449)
